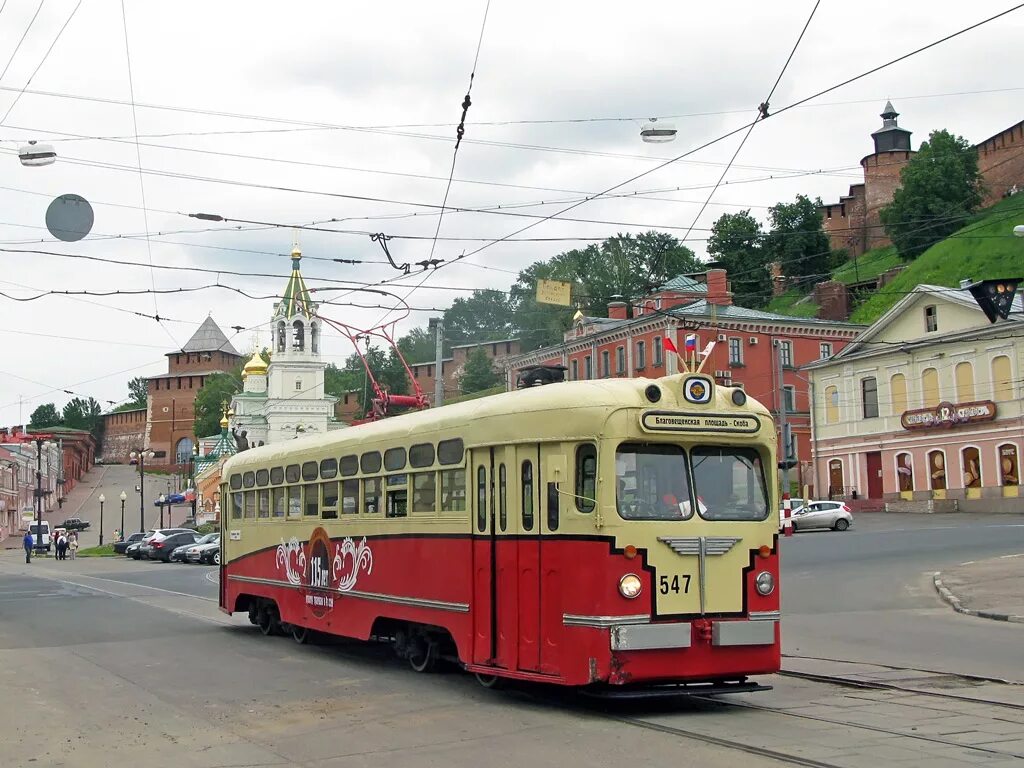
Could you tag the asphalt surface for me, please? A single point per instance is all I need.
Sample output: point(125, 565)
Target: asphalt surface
point(867, 594)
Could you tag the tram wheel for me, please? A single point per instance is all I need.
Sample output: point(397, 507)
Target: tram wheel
point(491, 682)
point(300, 635)
point(268, 622)
point(422, 655)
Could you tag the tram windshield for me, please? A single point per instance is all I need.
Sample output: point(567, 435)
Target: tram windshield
point(652, 482)
point(729, 482)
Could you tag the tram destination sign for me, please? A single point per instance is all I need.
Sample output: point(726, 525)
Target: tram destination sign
point(949, 415)
point(676, 421)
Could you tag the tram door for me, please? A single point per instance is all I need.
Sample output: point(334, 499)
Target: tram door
point(527, 515)
point(484, 588)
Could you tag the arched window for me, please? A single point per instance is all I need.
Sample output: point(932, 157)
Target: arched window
point(299, 336)
point(898, 393)
point(314, 338)
point(905, 472)
point(1009, 466)
point(183, 451)
point(930, 388)
point(1002, 383)
point(964, 382)
point(831, 405)
point(971, 460)
point(937, 470)
point(282, 335)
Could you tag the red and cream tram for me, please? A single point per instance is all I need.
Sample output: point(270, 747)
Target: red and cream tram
point(614, 532)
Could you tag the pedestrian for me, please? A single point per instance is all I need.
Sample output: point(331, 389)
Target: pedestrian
point(27, 542)
point(62, 547)
point(73, 545)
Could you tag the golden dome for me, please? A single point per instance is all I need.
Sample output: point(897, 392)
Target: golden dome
point(224, 421)
point(256, 366)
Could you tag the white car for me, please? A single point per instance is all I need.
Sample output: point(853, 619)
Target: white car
point(795, 504)
point(822, 514)
point(40, 536)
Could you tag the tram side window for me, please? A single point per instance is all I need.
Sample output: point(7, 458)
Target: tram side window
point(481, 498)
point(295, 501)
point(277, 475)
point(278, 502)
point(350, 496)
point(424, 492)
point(369, 462)
point(527, 494)
point(453, 490)
point(262, 477)
point(263, 503)
point(349, 465)
point(311, 500)
point(651, 482)
point(236, 505)
point(292, 473)
point(729, 483)
point(371, 495)
point(236, 482)
point(248, 479)
point(310, 470)
point(250, 503)
point(450, 451)
point(328, 469)
point(502, 497)
point(329, 494)
point(397, 501)
point(586, 477)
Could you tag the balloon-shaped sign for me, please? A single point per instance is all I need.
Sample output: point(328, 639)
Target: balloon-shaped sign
point(69, 218)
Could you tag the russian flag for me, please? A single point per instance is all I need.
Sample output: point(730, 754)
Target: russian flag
point(690, 343)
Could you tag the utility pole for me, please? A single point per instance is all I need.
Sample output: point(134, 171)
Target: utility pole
point(39, 493)
point(437, 324)
point(785, 452)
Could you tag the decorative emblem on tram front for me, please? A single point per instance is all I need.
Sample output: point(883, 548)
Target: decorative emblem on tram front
point(319, 571)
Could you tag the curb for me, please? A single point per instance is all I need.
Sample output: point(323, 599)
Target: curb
point(946, 594)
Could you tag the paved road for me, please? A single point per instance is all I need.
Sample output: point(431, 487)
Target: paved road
point(866, 594)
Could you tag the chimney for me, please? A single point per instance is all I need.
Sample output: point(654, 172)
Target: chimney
point(617, 310)
point(718, 287)
point(778, 279)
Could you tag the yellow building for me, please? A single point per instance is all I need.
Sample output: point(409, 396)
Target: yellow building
point(923, 409)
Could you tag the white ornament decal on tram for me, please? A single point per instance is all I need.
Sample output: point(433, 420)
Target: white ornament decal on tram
point(291, 556)
point(361, 557)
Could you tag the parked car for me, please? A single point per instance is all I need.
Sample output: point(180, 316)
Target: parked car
point(158, 535)
point(41, 539)
point(120, 547)
point(134, 550)
point(75, 524)
point(162, 548)
point(823, 514)
point(198, 551)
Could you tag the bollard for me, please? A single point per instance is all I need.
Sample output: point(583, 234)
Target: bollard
point(787, 512)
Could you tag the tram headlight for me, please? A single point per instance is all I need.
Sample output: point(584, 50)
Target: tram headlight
point(765, 583)
point(630, 586)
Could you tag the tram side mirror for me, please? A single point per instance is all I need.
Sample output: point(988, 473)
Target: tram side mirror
point(556, 469)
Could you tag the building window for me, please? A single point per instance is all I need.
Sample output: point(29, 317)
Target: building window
point(937, 470)
point(971, 467)
point(931, 318)
point(588, 367)
point(620, 360)
point(298, 385)
point(605, 364)
point(930, 387)
point(825, 350)
point(786, 353)
point(869, 396)
point(641, 355)
point(905, 472)
point(735, 351)
point(1008, 466)
point(964, 374)
point(574, 367)
point(898, 393)
point(1002, 385)
point(789, 396)
point(658, 352)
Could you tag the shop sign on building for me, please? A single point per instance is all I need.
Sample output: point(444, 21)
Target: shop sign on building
point(949, 415)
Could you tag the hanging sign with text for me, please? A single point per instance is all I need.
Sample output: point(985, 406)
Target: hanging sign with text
point(949, 415)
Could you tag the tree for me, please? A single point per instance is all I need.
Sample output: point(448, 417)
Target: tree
point(218, 389)
point(338, 381)
point(45, 416)
point(737, 242)
point(138, 392)
point(797, 239)
point(84, 414)
point(482, 316)
point(939, 189)
point(478, 373)
point(418, 346)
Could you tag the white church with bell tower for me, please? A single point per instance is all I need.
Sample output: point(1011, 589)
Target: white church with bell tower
point(286, 399)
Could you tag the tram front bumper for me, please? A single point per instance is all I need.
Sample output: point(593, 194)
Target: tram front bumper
point(643, 637)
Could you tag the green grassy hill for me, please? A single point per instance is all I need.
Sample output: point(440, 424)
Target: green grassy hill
point(984, 249)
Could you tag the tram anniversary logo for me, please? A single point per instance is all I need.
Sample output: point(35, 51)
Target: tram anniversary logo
point(320, 571)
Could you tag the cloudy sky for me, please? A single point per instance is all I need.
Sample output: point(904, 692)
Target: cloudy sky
point(345, 113)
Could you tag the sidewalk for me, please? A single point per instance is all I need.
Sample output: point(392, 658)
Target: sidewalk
point(73, 503)
point(990, 589)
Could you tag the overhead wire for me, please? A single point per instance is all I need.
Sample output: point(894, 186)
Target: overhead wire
point(21, 39)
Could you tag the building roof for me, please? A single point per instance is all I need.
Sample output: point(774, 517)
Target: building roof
point(184, 374)
point(295, 299)
point(209, 338)
point(683, 284)
point(484, 343)
point(735, 312)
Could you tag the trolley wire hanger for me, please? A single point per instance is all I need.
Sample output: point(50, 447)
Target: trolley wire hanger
point(381, 238)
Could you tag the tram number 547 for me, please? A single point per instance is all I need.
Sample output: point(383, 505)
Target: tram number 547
point(678, 583)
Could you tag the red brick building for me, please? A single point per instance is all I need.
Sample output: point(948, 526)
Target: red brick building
point(123, 432)
point(170, 403)
point(749, 346)
point(854, 221)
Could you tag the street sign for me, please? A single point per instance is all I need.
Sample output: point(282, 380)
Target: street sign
point(69, 218)
point(554, 292)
